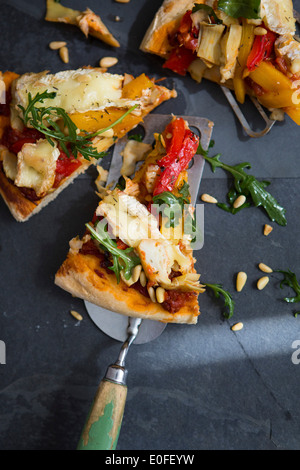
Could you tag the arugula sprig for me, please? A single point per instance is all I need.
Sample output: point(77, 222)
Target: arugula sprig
point(123, 260)
point(240, 8)
point(228, 301)
point(168, 198)
point(44, 119)
point(290, 280)
point(249, 186)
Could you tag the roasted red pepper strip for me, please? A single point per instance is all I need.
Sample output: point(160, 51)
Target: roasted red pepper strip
point(64, 167)
point(176, 163)
point(179, 60)
point(262, 49)
point(187, 34)
point(173, 136)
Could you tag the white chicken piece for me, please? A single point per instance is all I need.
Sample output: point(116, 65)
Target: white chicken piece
point(286, 46)
point(158, 257)
point(230, 45)
point(278, 16)
point(36, 166)
point(129, 219)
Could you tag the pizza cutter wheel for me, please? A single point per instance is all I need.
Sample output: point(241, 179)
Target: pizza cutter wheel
point(102, 427)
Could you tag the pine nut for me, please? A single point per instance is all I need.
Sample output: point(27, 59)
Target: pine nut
point(160, 295)
point(64, 54)
point(262, 282)
point(267, 229)
point(240, 280)
point(117, 18)
point(259, 31)
point(108, 133)
point(136, 272)
point(108, 62)
point(237, 326)
point(264, 268)
point(143, 279)
point(151, 293)
point(122, 1)
point(55, 45)
point(208, 198)
point(76, 315)
point(239, 201)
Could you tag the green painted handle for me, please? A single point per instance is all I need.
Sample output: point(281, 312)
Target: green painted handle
point(102, 427)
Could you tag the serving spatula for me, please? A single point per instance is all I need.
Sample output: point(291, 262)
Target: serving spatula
point(103, 424)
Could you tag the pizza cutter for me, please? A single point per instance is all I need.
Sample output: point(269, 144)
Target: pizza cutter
point(102, 427)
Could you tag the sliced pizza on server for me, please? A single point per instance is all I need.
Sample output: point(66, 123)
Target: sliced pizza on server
point(54, 126)
point(136, 255)
point(249, 47)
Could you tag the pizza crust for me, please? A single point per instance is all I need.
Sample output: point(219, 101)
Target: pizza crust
point(165, 22)
point(78, 277)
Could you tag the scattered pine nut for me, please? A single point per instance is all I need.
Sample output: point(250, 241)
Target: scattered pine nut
point(55, 45)
point(208, 198)
point(237, 326)
point(267, 229)
point(160, 295)
point(264, 268)
point(64, 54)
point(76, 315)
point(239, 201)
point(262, 282)
point(117, 18)
point(122, 1)
point(240, 280)
point(108, 62)
point(259, 31)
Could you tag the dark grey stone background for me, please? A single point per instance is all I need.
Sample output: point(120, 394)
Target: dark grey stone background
point(195, 387)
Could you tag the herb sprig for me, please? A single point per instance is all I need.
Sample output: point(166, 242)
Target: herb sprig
point(228, 301)
point(44, 120)
point(123, 260)
point(249, 186)
point(290, 280)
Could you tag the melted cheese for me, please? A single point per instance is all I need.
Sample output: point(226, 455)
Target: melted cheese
point(36, 166)
point(77, 91)
point(10, 162)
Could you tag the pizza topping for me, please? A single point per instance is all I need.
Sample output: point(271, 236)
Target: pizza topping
point(181, 148)
point(262, 48)
point(36, 166)
point(75, 90)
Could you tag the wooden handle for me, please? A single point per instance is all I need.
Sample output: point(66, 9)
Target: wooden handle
point(102, 427)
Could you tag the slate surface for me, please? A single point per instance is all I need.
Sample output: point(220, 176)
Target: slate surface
point(195, 387)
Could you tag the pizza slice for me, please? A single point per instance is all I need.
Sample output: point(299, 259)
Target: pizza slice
point(136, 256)
point(249, 47)
point(54, 126)
point(87, 21)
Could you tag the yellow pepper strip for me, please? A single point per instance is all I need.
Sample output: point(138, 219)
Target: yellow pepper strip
point(280, 99)
point(293, 113)
point(93, 121)
point(244, 51)
point(270, 78)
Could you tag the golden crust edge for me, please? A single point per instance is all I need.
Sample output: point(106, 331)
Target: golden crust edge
point(79, 279)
